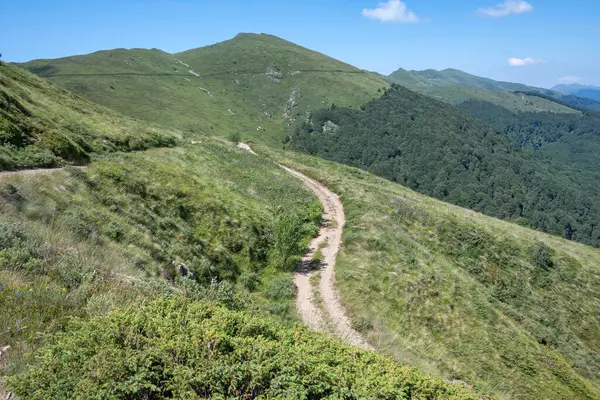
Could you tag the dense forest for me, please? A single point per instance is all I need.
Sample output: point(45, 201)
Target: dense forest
point(569, 138)
point(440, 151)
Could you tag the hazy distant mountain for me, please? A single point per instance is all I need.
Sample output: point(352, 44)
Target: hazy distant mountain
point(588, 91)
point(455, 87)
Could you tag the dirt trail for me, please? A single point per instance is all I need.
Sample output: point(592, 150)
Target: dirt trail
point(331, 233)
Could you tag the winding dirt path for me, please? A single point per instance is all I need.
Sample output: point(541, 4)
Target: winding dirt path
point(329, 240)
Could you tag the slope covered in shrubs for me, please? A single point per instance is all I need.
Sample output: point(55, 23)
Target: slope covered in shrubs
point(176, 349)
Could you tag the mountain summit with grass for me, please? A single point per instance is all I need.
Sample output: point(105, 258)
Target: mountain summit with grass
point(253, 84)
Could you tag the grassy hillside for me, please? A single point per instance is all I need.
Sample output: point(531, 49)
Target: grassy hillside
point(255, 85)
point(82, 242)
point(455, 87)
point(97, 244)
point(442, 152)
point(42, 125)
point(454, 77)
point(507, 309)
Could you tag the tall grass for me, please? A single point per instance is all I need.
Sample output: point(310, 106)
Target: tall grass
point(81, 242)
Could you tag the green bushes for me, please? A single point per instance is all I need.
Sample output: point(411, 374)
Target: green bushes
point(92, 239)
point(542, 257)
point(175, 349)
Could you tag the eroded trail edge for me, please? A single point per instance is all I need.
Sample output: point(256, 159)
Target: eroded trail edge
point(330, 233)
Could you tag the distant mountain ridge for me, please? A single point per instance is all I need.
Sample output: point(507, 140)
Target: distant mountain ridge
point(454, 86)
point(576, 89)
point(452, 76)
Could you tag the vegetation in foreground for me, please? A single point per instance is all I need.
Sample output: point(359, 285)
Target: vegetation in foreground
point(42, 125)
point(442, 152)
point(172, 348)
point(84, 242)
point(509, 310)
point(86, 279)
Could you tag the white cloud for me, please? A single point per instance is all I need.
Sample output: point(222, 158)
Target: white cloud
point(507, 8)
point(522, 62)
point(392, 11)
point(570, 79)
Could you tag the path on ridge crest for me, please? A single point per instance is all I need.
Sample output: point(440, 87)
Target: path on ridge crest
point(331, 233)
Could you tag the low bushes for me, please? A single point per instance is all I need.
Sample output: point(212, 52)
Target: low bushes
point(176, 349)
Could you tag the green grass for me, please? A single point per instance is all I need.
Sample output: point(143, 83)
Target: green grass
point(83, 242)
point(154, 85)
point(461, 295)
point(42, 125)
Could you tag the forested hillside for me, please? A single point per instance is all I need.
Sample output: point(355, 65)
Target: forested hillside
point(567, 138)
point(437, 150)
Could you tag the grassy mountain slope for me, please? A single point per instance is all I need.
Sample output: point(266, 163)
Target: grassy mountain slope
point(73, 241)
point(97, 244)
point(42, 125)
point(454, 87)
point(103, 244)
point(252, 84)
point(442, 152)
point(507, 309)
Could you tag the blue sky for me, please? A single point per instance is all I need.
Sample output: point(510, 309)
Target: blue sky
point(547, 39)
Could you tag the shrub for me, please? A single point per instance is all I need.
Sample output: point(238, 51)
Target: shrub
point(288, 235)
point(177, 349)
point(235, 138)
point(250, 280)
point(542, 257)
point(280, 289)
